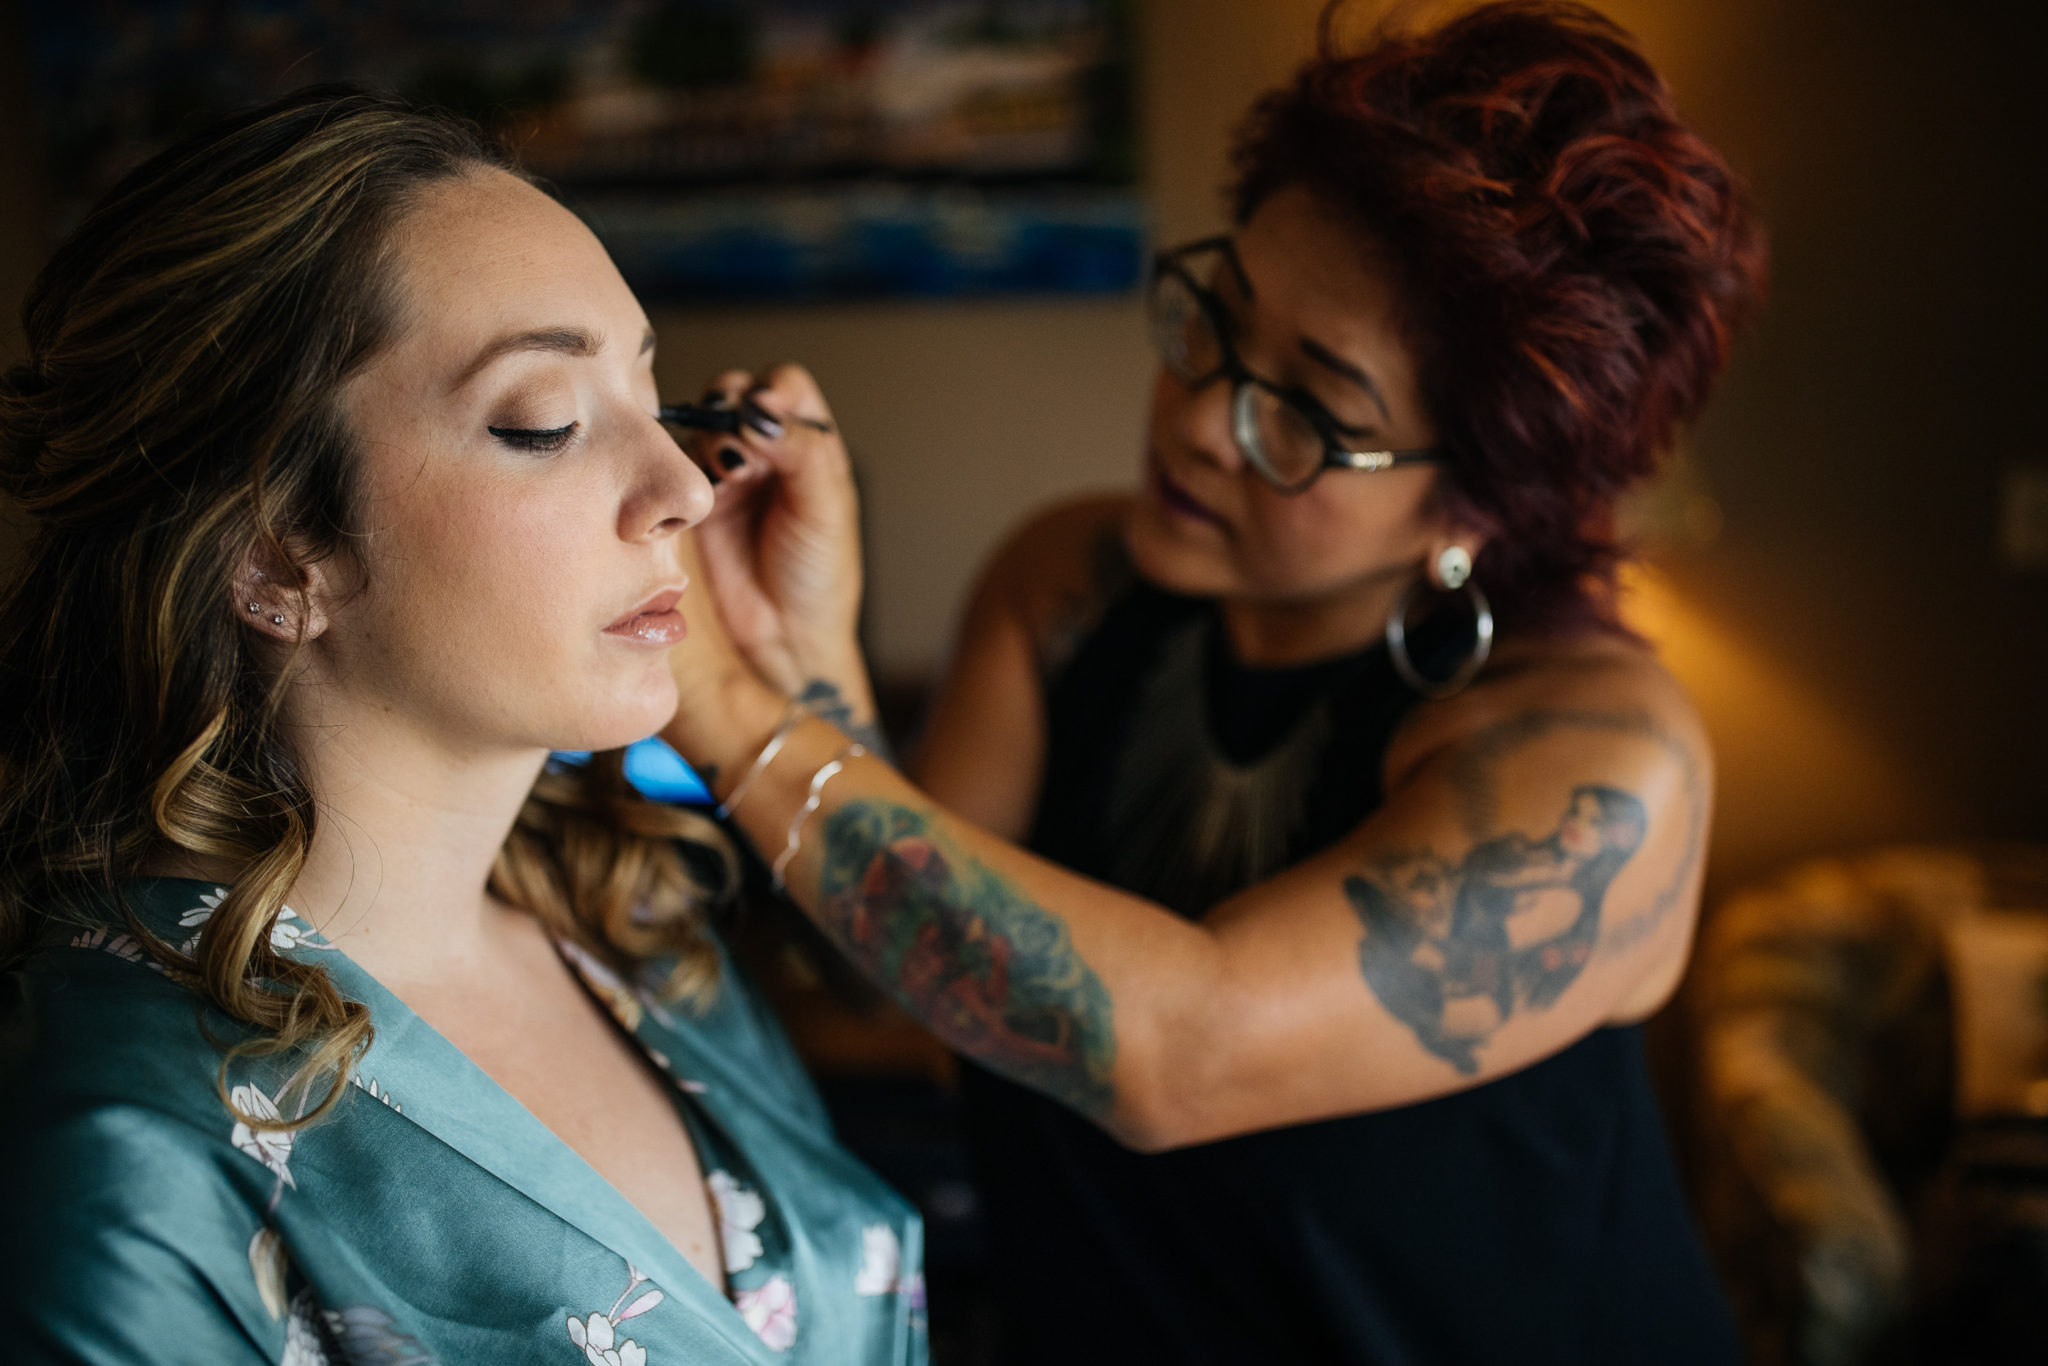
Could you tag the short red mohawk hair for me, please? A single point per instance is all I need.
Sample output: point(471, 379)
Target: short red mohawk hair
point(1574, 261)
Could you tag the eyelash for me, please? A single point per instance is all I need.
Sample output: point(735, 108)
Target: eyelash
point(535, 439)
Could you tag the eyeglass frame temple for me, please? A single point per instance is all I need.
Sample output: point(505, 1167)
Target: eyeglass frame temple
point(1374, 461)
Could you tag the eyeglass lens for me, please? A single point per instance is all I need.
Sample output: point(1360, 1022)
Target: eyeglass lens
point(1182, 330)
point(1276, 434)
point(1273, 433)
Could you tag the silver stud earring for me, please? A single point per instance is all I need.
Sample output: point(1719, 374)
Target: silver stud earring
point(277, 621)
point(254, 608)
point(1454, 567)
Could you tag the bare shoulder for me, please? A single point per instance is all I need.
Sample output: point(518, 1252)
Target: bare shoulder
point(1592, 684)
point(1058, 571)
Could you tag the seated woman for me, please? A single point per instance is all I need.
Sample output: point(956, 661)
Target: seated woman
point(1306, 1011)
point(339, 1028)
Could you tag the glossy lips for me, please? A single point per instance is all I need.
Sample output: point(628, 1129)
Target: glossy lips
point(654, 622)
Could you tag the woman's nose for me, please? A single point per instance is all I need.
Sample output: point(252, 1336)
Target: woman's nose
point(1202, 420)
point(669, 493)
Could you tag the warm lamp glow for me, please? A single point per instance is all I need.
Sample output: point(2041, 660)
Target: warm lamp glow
point(1795, 772)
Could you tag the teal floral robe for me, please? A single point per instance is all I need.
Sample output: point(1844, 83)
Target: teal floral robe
point(432, 1218)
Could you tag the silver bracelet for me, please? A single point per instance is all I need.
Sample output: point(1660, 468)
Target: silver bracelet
point(812, 800)
point(791, 714)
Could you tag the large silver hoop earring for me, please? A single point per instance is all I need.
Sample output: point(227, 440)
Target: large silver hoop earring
point(1482, 644)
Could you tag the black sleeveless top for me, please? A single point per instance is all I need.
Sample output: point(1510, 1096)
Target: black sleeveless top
point(1535, 1218)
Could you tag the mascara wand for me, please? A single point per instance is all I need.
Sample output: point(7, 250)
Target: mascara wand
point(729, 420)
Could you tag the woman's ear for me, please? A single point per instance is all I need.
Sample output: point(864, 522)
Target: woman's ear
point(283, 600)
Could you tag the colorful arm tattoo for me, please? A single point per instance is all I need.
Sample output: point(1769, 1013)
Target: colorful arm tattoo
point(961, 948)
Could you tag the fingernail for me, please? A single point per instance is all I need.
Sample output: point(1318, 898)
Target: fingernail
point(730, 457)
point(754, 416)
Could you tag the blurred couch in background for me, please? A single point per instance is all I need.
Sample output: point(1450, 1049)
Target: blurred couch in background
point(1871, 1137)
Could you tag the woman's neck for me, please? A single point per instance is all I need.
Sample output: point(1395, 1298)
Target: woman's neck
point(407, 829)
point(1279, 632)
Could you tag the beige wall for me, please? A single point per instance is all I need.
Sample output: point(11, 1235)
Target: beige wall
point(966, 417)
point(1868, 668)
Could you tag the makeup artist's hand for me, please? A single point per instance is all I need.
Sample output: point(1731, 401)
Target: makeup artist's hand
point(782, 547)
point(724, 707)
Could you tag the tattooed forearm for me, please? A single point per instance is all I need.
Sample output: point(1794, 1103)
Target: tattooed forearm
point(828, 703)
point(966, 952)
point(1444, 949)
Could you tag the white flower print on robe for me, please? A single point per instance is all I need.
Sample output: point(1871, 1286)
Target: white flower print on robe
point(359, 1334)
point(302, 1344)
point(598, 1335)
point(287, 932)
point(881, 1267)
point(122, 946)
point(271, 1147)
point(770, 1310)
point(881, 1261)
point(740, 1212)
point(267, 1263)
point(375, 1091)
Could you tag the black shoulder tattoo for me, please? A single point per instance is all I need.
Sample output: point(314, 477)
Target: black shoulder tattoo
point(1446, 950)
point(965, 951)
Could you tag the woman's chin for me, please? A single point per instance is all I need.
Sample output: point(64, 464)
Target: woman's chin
point(629, 720)
point(1167, 559)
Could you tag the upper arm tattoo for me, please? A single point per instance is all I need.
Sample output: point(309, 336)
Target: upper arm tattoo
point(1439, 950)
point(828, 703)
point(1476, 777)
point(964, 950)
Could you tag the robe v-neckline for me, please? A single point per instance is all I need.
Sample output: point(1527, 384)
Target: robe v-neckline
point(449, 1096)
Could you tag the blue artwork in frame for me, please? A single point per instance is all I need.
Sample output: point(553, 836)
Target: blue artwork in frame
point(724, 150)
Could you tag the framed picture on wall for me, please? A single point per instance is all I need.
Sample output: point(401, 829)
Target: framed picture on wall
point(724, 150)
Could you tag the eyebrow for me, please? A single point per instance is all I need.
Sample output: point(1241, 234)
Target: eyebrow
point(567, 341)
point(1336, 364)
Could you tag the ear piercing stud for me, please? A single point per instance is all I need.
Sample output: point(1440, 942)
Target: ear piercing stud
point(1454, 567)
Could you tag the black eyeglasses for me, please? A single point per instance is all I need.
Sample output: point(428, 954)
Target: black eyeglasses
point(1284, 433)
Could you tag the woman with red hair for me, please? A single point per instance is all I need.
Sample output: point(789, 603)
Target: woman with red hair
point(1357, 834)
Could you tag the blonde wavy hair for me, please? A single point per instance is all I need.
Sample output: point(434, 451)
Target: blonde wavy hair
point(176, 417)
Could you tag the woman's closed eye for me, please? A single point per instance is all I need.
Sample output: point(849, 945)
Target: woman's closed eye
point(536, 438)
